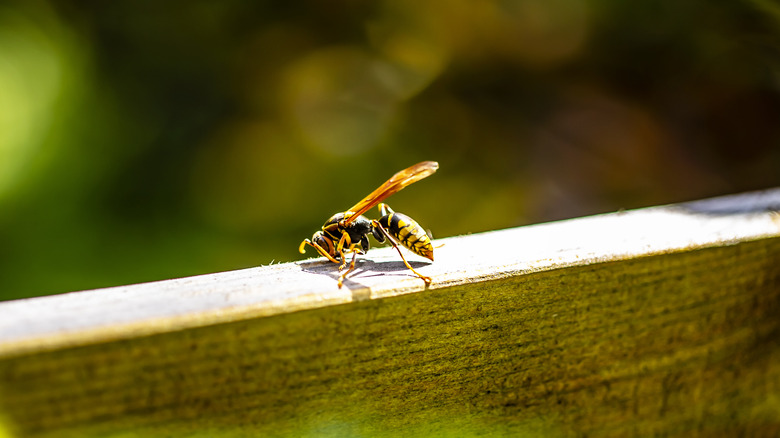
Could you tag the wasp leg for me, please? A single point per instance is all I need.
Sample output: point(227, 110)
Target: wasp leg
point(384, 209)
point(321, 250)
point(344, 242)
point(351, 268)
point(427, 280)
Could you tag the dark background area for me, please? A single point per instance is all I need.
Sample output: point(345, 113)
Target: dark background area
point(148, 140)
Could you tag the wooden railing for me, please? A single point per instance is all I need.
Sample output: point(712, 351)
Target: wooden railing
point(660, 321)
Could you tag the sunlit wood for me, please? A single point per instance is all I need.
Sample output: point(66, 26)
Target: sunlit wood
point(661, 321)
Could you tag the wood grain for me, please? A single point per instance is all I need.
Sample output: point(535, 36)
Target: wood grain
point(660, 321)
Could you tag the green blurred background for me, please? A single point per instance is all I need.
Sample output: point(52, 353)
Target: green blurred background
point(144, 140)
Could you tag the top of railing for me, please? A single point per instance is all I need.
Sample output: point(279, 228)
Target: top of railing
point(82, 318)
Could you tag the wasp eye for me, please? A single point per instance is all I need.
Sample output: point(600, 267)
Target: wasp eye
point(324, 242)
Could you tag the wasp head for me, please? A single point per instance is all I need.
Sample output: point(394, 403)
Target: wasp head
point(323, 241)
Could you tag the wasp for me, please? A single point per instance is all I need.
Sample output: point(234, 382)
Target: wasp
point(348, 232)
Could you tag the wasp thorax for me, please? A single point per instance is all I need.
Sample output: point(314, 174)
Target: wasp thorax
point(334, 220)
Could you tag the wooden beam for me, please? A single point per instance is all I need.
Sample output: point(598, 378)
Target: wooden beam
point(654, 321)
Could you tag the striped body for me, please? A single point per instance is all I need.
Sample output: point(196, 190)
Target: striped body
point(407, 232)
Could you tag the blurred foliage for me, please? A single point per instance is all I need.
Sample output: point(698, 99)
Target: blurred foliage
point(148, 140)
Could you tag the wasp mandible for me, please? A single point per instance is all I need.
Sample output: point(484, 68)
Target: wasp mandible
point(347, 232)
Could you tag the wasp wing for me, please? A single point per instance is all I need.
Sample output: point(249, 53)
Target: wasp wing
point(395, 184)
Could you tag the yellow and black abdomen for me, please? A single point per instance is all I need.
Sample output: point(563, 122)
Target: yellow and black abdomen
point(407, 232)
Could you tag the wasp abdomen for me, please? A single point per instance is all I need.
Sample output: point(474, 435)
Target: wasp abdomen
point(408, 233)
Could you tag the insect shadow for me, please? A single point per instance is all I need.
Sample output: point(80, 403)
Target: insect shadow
point(363, 268)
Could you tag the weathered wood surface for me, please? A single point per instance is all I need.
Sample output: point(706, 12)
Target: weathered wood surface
point(656, 321)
